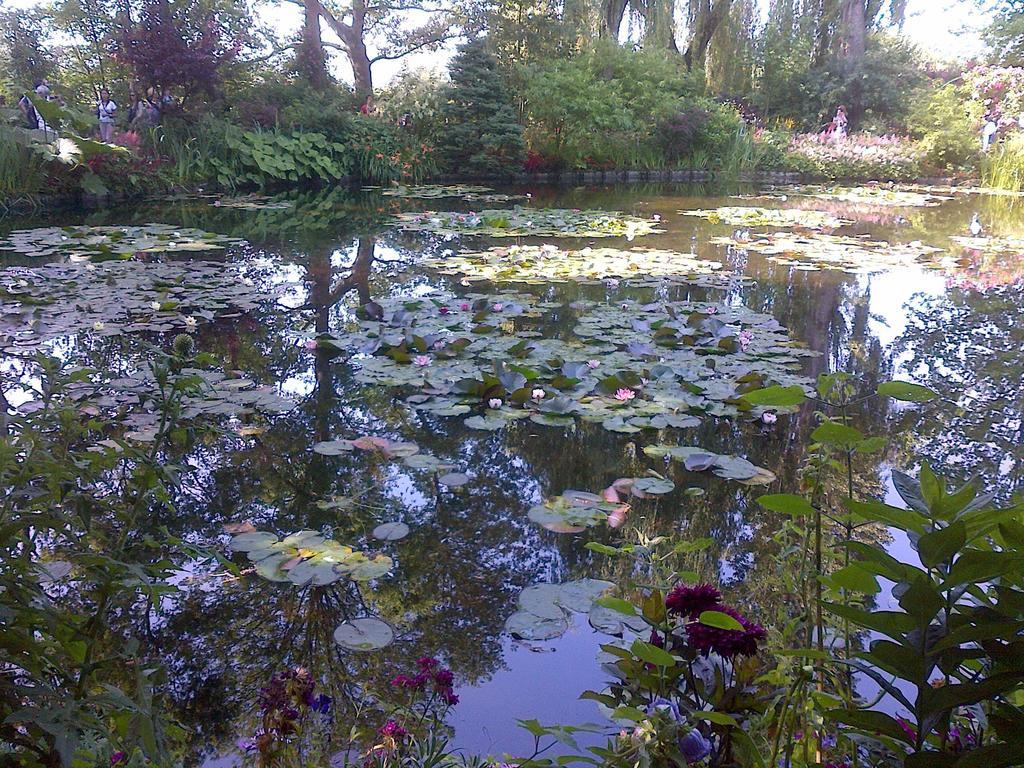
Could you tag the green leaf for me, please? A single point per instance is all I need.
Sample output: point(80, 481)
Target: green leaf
point(894, 517)
point(720, 620)
point(617, 604)
point(907, 392)
point(870, 722)
point(938, 547)
point(652, 654)
point(718, 718)
point(776, 396)
point(833, 433)
point(887, 622)
point(855, 579)
point(787, 504)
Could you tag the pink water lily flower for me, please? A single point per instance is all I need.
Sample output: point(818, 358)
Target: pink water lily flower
point(538, 394)
point(498, 307)
point(769, 418)
point(494, 403)
point(309, 344)
point(624, 395)
point(421, 360)
point(745, 338)
point(464, 306)
point(444, 310)
point(592, 364)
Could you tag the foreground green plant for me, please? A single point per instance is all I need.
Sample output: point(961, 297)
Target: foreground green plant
point(79, 575)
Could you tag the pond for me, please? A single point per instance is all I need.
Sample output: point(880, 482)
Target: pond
point(497, 365)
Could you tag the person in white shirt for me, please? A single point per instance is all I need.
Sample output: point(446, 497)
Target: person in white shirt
point(105, 109)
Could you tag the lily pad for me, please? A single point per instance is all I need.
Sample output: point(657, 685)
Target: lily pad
point(454, 479)
point(98, 243)
point(770, 217)
point(366, 634)
point(307, 558)
point(333, 447)
point(544, 264)
point(391, 531)
point(856, 255)
point(521, 222)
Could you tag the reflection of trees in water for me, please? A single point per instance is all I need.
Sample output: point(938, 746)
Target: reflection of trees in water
point(967, 347)
point(470, 551)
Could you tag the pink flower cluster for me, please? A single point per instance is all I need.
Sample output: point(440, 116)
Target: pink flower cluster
point(883, 157)
point(430, 673)
point(999, 89)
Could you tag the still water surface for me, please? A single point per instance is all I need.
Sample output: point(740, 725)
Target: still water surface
point(471, 550)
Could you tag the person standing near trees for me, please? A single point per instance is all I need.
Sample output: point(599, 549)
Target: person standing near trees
point(841, 124)
point(105, 109)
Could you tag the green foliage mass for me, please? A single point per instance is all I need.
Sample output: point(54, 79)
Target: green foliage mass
point(944, 121)
point(604, 107)
point(482, 134)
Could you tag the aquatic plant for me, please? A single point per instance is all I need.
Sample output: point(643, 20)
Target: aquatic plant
point(522, 222)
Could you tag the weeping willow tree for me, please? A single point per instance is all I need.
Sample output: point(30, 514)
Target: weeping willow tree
point(732, 54)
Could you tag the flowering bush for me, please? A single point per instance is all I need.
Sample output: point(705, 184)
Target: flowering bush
point(999, 89)
point(861, 157)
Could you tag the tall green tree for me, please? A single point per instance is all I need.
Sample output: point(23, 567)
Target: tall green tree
point(482, 134)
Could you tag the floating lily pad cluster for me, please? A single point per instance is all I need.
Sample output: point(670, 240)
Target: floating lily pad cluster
point(544, 264)
point(525, 222)
point(770, 217)
point(116, 298)
point(628, 366)
point(544, 610)
point(99, 243)
point(862, 255)
point(216, 395)
point(467, 192)
point(700, 460)
point(575, 511)
point(1007, 245)
point(881, 196)
point(306, 558)
point(252, 202)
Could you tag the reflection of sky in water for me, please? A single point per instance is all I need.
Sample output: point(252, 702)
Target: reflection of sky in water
point(476, 550)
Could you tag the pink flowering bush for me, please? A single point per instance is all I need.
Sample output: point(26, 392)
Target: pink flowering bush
point(858, 156)
point(999, 89)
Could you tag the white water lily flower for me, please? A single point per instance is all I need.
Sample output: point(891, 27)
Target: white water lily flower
point(538, 394)
point(191, 322)
point(155, 305)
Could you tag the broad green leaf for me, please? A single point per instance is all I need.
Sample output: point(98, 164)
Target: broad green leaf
point(652, 654)
point(904, 390)
point(787, 504)
point(776, 396)
point(719, 620)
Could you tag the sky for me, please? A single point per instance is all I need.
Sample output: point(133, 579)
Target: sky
point(943, 28)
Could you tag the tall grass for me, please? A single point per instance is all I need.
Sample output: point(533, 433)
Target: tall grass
point(22, 171)
point(1003, 166)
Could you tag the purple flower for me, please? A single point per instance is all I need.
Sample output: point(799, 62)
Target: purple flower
point(443, 678)
point(118, 757)
point(665, 707)
point(726, 642)
point(393, 730)
point(692, 601)
point(449, 698)
point(694, 747)
point(427, 662)
point(322, 704)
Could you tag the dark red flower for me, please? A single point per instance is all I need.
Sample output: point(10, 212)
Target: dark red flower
point(692, 601)
point(393, 730)
point(726, 642)
point(443, 678)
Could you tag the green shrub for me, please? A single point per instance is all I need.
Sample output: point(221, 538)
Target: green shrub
point(22, 170)
point(604, 108)
point(944, 121)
